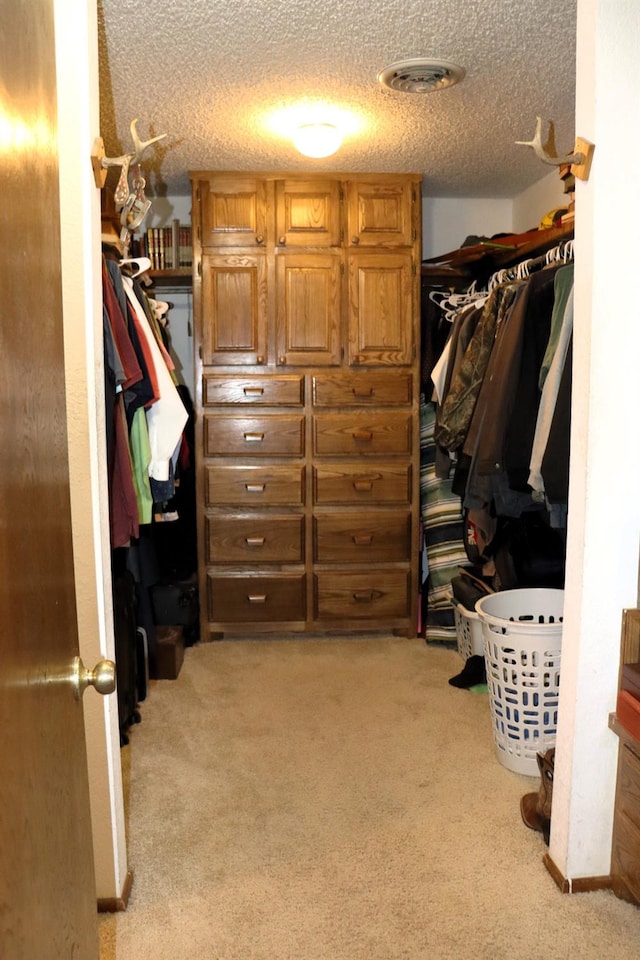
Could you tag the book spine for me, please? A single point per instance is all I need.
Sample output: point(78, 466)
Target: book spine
point(175, 244)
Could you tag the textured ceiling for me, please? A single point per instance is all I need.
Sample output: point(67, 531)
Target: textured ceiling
point(214, 74)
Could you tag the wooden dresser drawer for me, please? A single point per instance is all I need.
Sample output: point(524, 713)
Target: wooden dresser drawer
point(379, 388)
point(625, 861)
point(259, 598)
point(363, 537)
point(362, 434)
point(348, 483)
point(253, 436)
point(629, 786)
point(254, 486)
point(366, 596)
point(255, 539)
point(276, 391)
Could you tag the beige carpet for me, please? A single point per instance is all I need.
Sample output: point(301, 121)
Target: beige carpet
point(337, 800)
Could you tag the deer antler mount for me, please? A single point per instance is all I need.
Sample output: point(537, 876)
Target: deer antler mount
point(579, 160)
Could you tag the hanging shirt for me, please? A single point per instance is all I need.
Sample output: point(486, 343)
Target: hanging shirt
point(167, 417)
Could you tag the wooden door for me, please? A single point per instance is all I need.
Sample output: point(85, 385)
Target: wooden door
point(47, 893)
point(308, 213)
point(233, 212)
point(379, 214)
point(381, 313)
point(308, 304)
point(234, 312)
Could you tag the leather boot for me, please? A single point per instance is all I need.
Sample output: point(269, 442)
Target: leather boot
point(536, 807)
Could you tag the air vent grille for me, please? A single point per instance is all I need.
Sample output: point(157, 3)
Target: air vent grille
point(420, 76)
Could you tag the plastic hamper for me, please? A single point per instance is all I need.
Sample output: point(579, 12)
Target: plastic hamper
point(522, 640)
point(468, 632)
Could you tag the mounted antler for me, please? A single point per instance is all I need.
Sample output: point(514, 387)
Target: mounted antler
point(579, 161)
point(540, 151)
point(131, 158)
point(101, 163)
point(121, 192)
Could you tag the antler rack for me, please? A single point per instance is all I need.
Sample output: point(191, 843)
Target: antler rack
point(100, 162)
point(579, 160)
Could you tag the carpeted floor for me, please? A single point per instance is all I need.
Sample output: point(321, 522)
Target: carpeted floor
point(330, 799)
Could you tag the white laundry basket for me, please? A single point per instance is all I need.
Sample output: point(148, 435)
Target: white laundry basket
point(468, 632)
point(522, 639)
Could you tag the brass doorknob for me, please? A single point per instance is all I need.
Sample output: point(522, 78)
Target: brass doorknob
point(102, 677)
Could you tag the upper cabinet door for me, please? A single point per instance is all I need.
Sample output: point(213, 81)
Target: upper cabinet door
point(234, 309)
point(308, 213)
point(308, 305)
point(234, 212)
point(381, 309)
point(380, 214)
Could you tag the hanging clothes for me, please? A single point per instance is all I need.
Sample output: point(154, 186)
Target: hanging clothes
point(501, 424)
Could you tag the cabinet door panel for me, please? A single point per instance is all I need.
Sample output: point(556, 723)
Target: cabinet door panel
point(308, 308)
point(254, 436)
point(308, 213)
point(234, 313)
point(380, 214)
point(233, 213)
point(381, 309)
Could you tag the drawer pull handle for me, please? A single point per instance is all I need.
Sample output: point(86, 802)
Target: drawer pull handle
point(363, 393)
point(254, 541)
point(257, 598)
point(362, 597)
point(254, 437)
point(363, 486)
point(253, 391)
point(254, 487)
point(362, 540)
point(362, 435)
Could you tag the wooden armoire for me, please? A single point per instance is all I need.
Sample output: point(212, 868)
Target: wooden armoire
point(306, 306)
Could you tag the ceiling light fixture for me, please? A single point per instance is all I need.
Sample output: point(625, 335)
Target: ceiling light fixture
point(420, 75)
point(317, 139)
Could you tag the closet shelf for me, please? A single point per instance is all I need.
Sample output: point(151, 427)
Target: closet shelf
point(173, 278)
point(493, 254)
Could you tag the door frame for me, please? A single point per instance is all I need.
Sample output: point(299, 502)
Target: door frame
point(80, 202)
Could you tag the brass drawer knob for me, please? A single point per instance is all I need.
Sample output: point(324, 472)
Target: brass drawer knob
point(259, 239)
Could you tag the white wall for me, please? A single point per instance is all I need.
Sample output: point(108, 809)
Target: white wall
point(533, 204)
point(448, 221)
point(604, 507)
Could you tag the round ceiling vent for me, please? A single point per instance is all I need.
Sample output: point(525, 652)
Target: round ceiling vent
point(420, 76)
